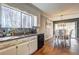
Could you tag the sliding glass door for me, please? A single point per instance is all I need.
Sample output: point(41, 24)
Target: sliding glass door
point(68, 26)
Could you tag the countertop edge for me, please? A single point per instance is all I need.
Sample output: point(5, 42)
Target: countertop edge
point(18, 37)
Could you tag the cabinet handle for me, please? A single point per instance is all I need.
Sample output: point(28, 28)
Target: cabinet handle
point(16, 46)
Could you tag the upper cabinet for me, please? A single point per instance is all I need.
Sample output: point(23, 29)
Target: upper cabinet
point(6, 17)
point(26, 21)
point(12, 18)
point(29, 21)
point(35, 21)
point(16, 21)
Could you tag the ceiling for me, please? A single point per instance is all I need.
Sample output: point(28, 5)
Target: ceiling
point(55, 8)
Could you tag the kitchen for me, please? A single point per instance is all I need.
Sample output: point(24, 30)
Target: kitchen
point(18, 31)
point(25, 29)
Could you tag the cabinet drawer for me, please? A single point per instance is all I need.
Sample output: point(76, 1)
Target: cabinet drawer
point(23, 49)
point(7, 44)
point(22, 40)
point(8, 51)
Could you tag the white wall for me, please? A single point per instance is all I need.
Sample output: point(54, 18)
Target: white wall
point(49, 29)
point(42, 24)
point(46, 27)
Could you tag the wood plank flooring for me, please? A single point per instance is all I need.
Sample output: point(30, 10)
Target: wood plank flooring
point(48, 49)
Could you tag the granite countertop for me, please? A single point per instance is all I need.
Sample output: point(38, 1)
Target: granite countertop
point(2, 39)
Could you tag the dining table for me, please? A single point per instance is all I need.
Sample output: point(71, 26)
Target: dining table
point(61, 37)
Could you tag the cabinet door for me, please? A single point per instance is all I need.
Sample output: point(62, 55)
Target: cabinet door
point(8, 51)
point(23, 49)
point(16, 20)
point(10, 18)
point(6, 17)
point(33, 46)
point(26, 21)
point(35, 21)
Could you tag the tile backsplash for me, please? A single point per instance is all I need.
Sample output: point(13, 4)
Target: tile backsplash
point(16, 31)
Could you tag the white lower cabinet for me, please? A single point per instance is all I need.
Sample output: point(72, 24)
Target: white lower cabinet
point(23, 49)
point(27, 47)
point(33, 46)
point(8, 51)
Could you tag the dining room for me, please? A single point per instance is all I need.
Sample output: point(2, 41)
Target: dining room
point(65, 30)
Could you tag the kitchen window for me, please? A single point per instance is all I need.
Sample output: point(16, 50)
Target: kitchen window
point(11, 18)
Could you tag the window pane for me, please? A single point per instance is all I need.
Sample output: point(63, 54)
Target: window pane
point(6, 17)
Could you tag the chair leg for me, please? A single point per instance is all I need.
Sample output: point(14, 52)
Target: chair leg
point(64, 43)
point(54, 42)
point(70, 42)
point(60, 42)
point(57, 42)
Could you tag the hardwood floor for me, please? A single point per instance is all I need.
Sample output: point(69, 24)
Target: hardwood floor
point(48, 49)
